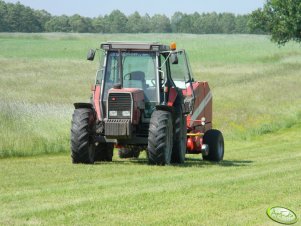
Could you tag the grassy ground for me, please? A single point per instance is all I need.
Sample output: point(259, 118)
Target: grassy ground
point(257, 99)
point(254, 176)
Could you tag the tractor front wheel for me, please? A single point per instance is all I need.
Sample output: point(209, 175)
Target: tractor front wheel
point(214, 139)
point(82, 147)
point(160, 138)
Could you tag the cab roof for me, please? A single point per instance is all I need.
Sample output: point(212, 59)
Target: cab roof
point(147, 46)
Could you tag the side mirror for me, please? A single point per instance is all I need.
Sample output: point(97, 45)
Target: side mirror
point(174, 58)
point(91, 55)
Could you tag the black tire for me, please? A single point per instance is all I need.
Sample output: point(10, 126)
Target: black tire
point(128, 153)
point(104, 152)
point(180, 137)
point(214, 139)
point(160, 138)
point(82, 147)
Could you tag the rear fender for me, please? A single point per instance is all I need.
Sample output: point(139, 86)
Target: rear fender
point(165, 108)
point(87, 106)
point(172, 96)
point(83, 105)
point(97, 102)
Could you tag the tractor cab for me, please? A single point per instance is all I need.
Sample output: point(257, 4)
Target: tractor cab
point(150, 67)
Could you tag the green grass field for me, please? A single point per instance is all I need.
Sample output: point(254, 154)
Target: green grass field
point(257, 99)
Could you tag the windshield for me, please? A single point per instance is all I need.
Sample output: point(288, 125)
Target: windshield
point(139, 71)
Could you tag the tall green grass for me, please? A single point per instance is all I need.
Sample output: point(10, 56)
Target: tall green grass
point(255, 84)
point(30, 129)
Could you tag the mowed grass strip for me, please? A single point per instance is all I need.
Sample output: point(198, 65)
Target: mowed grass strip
point(254, 176)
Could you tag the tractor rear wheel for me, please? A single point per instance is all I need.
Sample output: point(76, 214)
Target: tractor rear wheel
point(160, 138)
point(128, 153)
point(180, 138)
point(104, 152)
point(82, 147)
point(214, 139)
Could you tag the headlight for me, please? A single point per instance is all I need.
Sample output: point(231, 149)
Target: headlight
point(126, 113)
point(113, 113)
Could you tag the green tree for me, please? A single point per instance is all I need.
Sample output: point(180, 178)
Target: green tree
point(3, 17)
point(13, 17)
point(160, 24)
point(181, 23)
point(19, 18)
point(185, 24)
point(227, 23)
point(80, 24)
point(43, 17)
point(146, 23)
point(58, 24)
point(280, 18)
point(241, 24)
point(176, 22)
point(28, 21)
point(208, 23)
point(195, 28)
point(98, 24)
point(134, 23)
point(116, 22)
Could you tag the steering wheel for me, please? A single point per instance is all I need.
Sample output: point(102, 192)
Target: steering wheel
point(127, 76)
point(153, 82)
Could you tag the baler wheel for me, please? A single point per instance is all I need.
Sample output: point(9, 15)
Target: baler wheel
point(214, 139)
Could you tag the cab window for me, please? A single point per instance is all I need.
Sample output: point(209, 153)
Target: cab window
point(179, 71)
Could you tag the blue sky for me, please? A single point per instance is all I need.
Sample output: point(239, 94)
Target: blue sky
point(92, 8)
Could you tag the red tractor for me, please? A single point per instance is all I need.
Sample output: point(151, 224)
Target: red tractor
point(145, 98)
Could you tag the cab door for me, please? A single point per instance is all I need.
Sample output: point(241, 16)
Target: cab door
point(197, 95)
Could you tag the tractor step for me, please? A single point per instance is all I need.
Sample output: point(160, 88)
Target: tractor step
point(195, 134)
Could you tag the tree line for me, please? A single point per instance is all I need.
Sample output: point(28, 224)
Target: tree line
point(20, 18)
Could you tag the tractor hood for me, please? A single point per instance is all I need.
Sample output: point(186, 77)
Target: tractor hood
point(125, 103)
